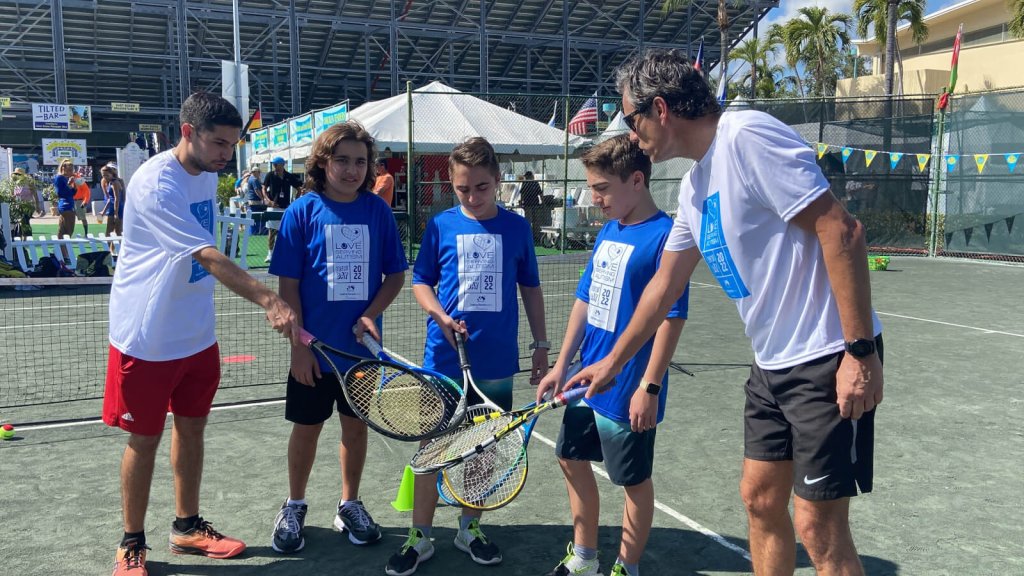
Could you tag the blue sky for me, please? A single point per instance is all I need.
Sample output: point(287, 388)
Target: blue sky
point(787, 8)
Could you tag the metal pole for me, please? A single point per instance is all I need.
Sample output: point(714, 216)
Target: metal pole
point(565, 173)
point(938, 166)
point(410, 169)
point(242, 109)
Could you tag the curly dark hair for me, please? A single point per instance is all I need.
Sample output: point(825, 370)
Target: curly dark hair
point(669, 74)
point(323, 148)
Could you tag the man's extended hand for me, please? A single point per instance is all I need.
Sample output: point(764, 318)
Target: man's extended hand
point(858, 385)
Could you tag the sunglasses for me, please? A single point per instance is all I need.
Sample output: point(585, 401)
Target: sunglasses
point(630, 119)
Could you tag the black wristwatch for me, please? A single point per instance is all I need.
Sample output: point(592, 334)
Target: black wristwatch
point(651, 387)
point(861, 348)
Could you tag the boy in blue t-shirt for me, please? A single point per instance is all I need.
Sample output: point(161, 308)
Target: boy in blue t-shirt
point(340, 263)
point(476, 254)
point(617, 427)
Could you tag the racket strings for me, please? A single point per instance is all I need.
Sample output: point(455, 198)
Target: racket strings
point(455, 444)
point(493, 478)
point(394, 399)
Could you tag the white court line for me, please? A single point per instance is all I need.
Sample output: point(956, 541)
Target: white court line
point(984, 330)
point(100, 420)
point(666, 509)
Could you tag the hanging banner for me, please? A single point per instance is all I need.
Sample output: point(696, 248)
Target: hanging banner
point(869, 157)
point(922, 161)
point(260, 141)
point(894, 159)
point(62, 117)
point(57, 149)
point(951, 161)
point(847, 151)
point(301, 129)
point(328, 117)
point(279, 136)
point(980, 160)
point(822, 148)
point(1011, 161)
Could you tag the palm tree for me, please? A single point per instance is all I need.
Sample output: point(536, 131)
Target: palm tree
point(762, 72)
point(669, 6)
point(816, 37)
point(1016, 23)
point(882, 16)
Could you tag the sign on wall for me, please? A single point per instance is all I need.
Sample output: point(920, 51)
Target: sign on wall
point(64, 117)
point(57, 149)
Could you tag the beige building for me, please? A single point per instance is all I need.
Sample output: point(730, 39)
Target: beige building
point(990, 57)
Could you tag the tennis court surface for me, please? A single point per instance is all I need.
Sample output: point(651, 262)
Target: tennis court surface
point(949, 469)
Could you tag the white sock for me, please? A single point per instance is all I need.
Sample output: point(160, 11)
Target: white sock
point(296, 502)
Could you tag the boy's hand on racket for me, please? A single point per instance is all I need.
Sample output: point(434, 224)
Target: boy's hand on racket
point(363, 325)
point(449, 326)
point(858, 385)
point(304, 365)
point(549, 383)
point(643, 411)
point(598, 377)
point(283, 319)
point(540, 365)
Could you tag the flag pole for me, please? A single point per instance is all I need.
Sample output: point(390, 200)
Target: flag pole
point(937, 159)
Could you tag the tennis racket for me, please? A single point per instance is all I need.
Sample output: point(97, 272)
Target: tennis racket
point(483, 488)
point(393, 400)
point(480, 433)
point(454, 396)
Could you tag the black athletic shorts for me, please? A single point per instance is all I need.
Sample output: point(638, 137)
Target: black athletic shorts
point(791, 414)
point(586, 435)
point(315, 404)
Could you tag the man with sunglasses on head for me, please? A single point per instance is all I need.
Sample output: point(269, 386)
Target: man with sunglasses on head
point(756, 207)
point(163, 350)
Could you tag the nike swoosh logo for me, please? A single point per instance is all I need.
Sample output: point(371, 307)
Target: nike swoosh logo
point(809, 481)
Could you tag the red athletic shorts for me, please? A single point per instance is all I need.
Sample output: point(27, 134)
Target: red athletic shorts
point(140, 393)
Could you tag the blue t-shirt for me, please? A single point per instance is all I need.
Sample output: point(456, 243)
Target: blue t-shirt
point(108, 206)
point(625, 259)
point(65, 193)
point(476, 265)
point(252, 190)
point(340, 253)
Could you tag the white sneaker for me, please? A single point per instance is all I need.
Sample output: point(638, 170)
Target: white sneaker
point(573, 565)
point(267, 259)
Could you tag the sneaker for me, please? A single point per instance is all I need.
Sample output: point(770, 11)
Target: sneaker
point(575, 566)
point(415, 550)
point(288, 529)
point(130, 560)
point(473, 542)
point(619, 570)
point(354, 519)
point(267, 259)
point(203, 540)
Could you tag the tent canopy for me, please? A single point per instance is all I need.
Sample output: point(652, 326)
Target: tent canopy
point(444, 116)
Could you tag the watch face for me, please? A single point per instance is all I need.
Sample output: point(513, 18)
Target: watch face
point(861, 348)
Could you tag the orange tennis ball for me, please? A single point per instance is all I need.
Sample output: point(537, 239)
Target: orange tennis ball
point(360, 375)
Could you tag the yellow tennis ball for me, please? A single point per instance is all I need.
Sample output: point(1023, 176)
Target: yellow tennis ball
point(6, 432)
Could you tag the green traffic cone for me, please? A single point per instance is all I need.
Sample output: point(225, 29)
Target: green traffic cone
point(406, 492)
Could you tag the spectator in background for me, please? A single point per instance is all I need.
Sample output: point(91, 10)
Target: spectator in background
point(277, 190)
point(253, 189)
point(531, 198)
point(384, 186)
point(65, 190)
point(83, 194)
point(113, 193)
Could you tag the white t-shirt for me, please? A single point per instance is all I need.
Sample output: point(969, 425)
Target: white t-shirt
point(735, 205)
point(161, 303)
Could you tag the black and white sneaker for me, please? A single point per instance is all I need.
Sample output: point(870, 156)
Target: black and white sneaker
point(416, 549)
point(354, 519)
point(473, 542)
point(288, 529)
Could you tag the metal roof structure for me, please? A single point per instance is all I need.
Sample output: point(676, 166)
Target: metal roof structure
point(304, 54)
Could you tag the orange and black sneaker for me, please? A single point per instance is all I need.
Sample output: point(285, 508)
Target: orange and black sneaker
point(130, 559)
point(203, 540)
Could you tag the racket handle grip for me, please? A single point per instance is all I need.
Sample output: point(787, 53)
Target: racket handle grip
point(372, 344)
point(460, 345)
point(570, 396)
point(306, 338)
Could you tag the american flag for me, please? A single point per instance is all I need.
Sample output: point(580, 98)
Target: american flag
point(586, 114)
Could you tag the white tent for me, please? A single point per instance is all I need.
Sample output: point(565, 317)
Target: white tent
point(444, 116)
point(615, 127)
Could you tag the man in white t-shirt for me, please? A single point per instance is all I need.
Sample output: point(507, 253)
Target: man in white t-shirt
point(758, 210)
point(163, 349)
